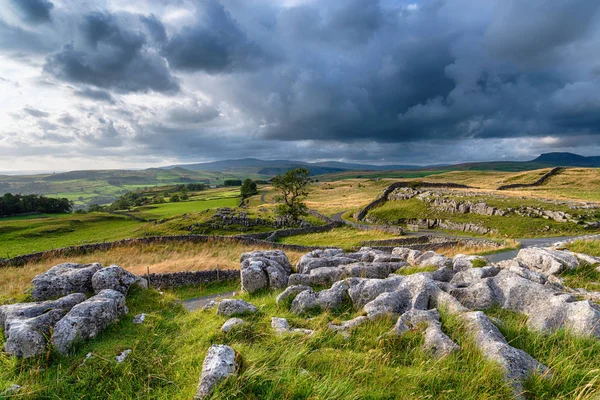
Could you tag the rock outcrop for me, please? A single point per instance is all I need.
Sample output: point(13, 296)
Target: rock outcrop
point(264, 269)
point(87, 319)
point(115, 278)
point(220, 363)
point(64, 279)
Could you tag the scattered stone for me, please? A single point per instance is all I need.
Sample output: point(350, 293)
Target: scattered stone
point(435, 340)
point(115, 278)
point(209, 306)
point(87, 357)
point(64, 279)
point(139, 319)
point(220, 363)
point(230, 323)
point(231, 307)
point(121, 357)
point(87, 319)
point(281, 326)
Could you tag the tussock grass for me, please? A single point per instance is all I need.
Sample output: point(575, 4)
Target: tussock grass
point(139, 259)
point(589, 247)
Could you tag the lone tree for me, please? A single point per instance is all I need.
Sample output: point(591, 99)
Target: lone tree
point(248, 188)
point(292, 186)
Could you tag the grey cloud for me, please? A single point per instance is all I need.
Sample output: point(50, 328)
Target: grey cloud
point(35, 112)
point(101, 95)
point(111, 55)
point(34, 11)
point(215, 43)
point(191, 114)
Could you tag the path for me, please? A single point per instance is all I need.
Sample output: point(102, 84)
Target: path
point(262, 196)
point(199, 302)
point(338, 216)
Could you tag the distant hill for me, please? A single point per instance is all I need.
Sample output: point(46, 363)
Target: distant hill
point(568, 160)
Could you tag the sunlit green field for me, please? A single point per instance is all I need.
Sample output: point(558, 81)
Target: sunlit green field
point(171, 209)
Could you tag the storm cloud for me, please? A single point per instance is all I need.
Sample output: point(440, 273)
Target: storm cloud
point(385, 81)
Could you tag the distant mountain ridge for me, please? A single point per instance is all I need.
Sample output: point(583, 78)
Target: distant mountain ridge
point(568, 160)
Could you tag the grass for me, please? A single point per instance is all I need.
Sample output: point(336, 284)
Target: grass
point(156, 258)
point(513, 226)
point(167, 210)
point(345, 238)
point(589, 247)
point(573, 360)
point(168, 350)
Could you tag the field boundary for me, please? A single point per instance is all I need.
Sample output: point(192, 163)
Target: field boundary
point(383, 198)
point(539, 182)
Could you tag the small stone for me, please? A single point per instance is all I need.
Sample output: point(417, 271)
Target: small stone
point(12, 389)
point(230, 323)
point(121, 357)
point(139, 319)
point(230, 307)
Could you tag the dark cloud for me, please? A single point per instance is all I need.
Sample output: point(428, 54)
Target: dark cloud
point(110, 54)
point(34, 11)
point(215, 43)
point(100, 95)
point(384, 80)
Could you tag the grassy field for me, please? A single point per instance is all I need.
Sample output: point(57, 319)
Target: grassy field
point(139, 259)
point(166, 210)
point(168, 350)
point(513, 226)
point(590, 247)
point(345, 238)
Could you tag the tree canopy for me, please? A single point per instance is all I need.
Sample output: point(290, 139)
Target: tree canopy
point(292, 187)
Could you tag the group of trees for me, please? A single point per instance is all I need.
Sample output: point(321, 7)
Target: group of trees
point(15, 204)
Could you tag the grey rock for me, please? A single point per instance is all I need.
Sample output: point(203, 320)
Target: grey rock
point(476, 296)
point(264, 269)
point(231, 323)
point(435, 339)
point(516, 363)
point(113, 277)
point(462, 262)
point(387, 304)
point(209, 306)
point(231, 307)
point(121, 357)
point(362, 291)
point(304, 302)
point(219, 364)
point(30, 310)
point(348, 325)
point(431, 258)
point(281, 326)
point(290, 291)
point(139, 319)
point(27, 337)
point(549, 262)
point(12, 390)
point(64, 279)
point(87, 319)
point(474, 274)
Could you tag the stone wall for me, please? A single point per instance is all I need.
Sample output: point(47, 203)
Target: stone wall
point(191, 278)
point(302, 231)
point(383, 198)
point(543, 178)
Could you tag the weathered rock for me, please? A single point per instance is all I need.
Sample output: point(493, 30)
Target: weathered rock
point(209, 306)
point(27, 337)
point(390, 304)
point(12, 390)
point(231, 323)
point(476, 296)
point(281, 326)
point(64, 279)
point(87, 319)
point(348, 325)
point(474, 274)
point(290, 291)
point(549, 262)
point(30, 310)
point(264, 269)
point(328, 299)
point(431, 258)
point(517, 363)
point(231, 307)
point(462, 262)
point(304, 302)
point(220, 363)
point(113, 277)
point(435, 339)
point(362, 291)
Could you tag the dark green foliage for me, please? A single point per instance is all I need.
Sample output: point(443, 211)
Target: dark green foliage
point(232, 182)
point(15, 204)
point(292, 186)
point(248, 188)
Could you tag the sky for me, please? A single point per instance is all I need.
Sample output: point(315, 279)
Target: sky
point(135, 83)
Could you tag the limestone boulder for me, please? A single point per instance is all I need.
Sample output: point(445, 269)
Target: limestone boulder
point(85, 320)
point(64, 279)
point(115, 278)
point(219, 364)
point(231, 307)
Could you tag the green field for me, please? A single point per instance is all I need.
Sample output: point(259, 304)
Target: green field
point(512, 226)
point(172, 209)
point(345, 238)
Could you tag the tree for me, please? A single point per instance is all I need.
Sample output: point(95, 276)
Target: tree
point(175, 199)
point(248, 188)
point(292, 186)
